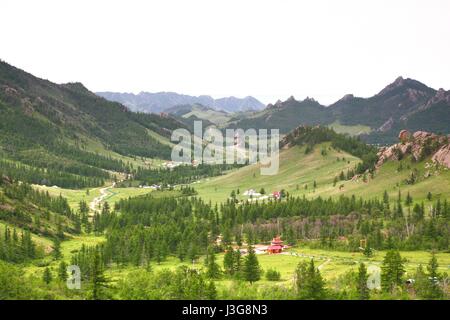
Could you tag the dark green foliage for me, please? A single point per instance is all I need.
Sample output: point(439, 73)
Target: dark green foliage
point(47, 276)
point(229, 261)
point(62, 272)
point(13, 285)
point(57, 249)
point(182, 284)
point(309, 282)
point(98, 279)
point(363, 290)
point(273, 275)
point(50, 177)
point(212, 268)
point(158, 227)
point(368, 251)
point(434, 290)
point(182, 174)
point(16, 248)
point(392, 271)
point(429, 284)
point(251, 269)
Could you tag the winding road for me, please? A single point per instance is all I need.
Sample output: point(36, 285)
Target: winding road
point(104, 192)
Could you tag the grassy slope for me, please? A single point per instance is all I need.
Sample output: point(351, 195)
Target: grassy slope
point(388, 178)
point(354, 130)
point(117, 194)
point(296, 168)
point(216, 117)
point(73, 196)
point(44, 242)
point(97, 147)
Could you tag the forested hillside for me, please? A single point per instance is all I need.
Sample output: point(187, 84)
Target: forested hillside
point(47, 132)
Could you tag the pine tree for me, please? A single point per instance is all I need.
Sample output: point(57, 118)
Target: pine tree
point(385, 197)
point(421, 283)
point(47, 276)
point(98, 279)
point(193, 253)
point(251, 268)
point(316, 283)
point(57, 249)
point(237, 262)
point(434, 291)
point(211, 291)
point(438, 207)
point(62, 271)
point(228, 261)
point(213, 269)
point(181, 251)
point(392, 271)
point(309, 281)
point(368, 251)
point(363, 290)
point(409, 200)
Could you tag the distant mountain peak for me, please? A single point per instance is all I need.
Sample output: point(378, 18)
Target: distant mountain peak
point(291, 98)
point(347, 97)
point(310, 99)
point(161, 101)
point(399, 80)
point(407, 84)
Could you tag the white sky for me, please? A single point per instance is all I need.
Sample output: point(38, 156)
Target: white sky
point(267, 49)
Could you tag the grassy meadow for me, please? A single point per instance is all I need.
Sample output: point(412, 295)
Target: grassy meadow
point(298, 170)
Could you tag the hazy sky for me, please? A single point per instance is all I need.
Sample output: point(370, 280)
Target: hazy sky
point(268, 49)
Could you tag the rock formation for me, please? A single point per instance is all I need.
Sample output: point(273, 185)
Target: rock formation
point(419, 145)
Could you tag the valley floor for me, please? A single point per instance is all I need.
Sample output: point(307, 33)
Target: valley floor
point(332, 264)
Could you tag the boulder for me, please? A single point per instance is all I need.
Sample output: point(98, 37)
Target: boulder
point(442, 156)
point(404, 135)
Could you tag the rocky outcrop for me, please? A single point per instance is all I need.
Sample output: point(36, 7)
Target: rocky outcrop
point(419, 145)
point(404, 136)
point(442, 156)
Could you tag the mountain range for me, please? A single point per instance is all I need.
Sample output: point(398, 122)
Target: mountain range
point(161, 101)
point(38, 110)
point(403, 104)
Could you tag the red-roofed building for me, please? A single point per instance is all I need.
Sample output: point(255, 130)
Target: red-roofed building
point(276, 246)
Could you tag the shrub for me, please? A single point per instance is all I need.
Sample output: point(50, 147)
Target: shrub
point(273, 275)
